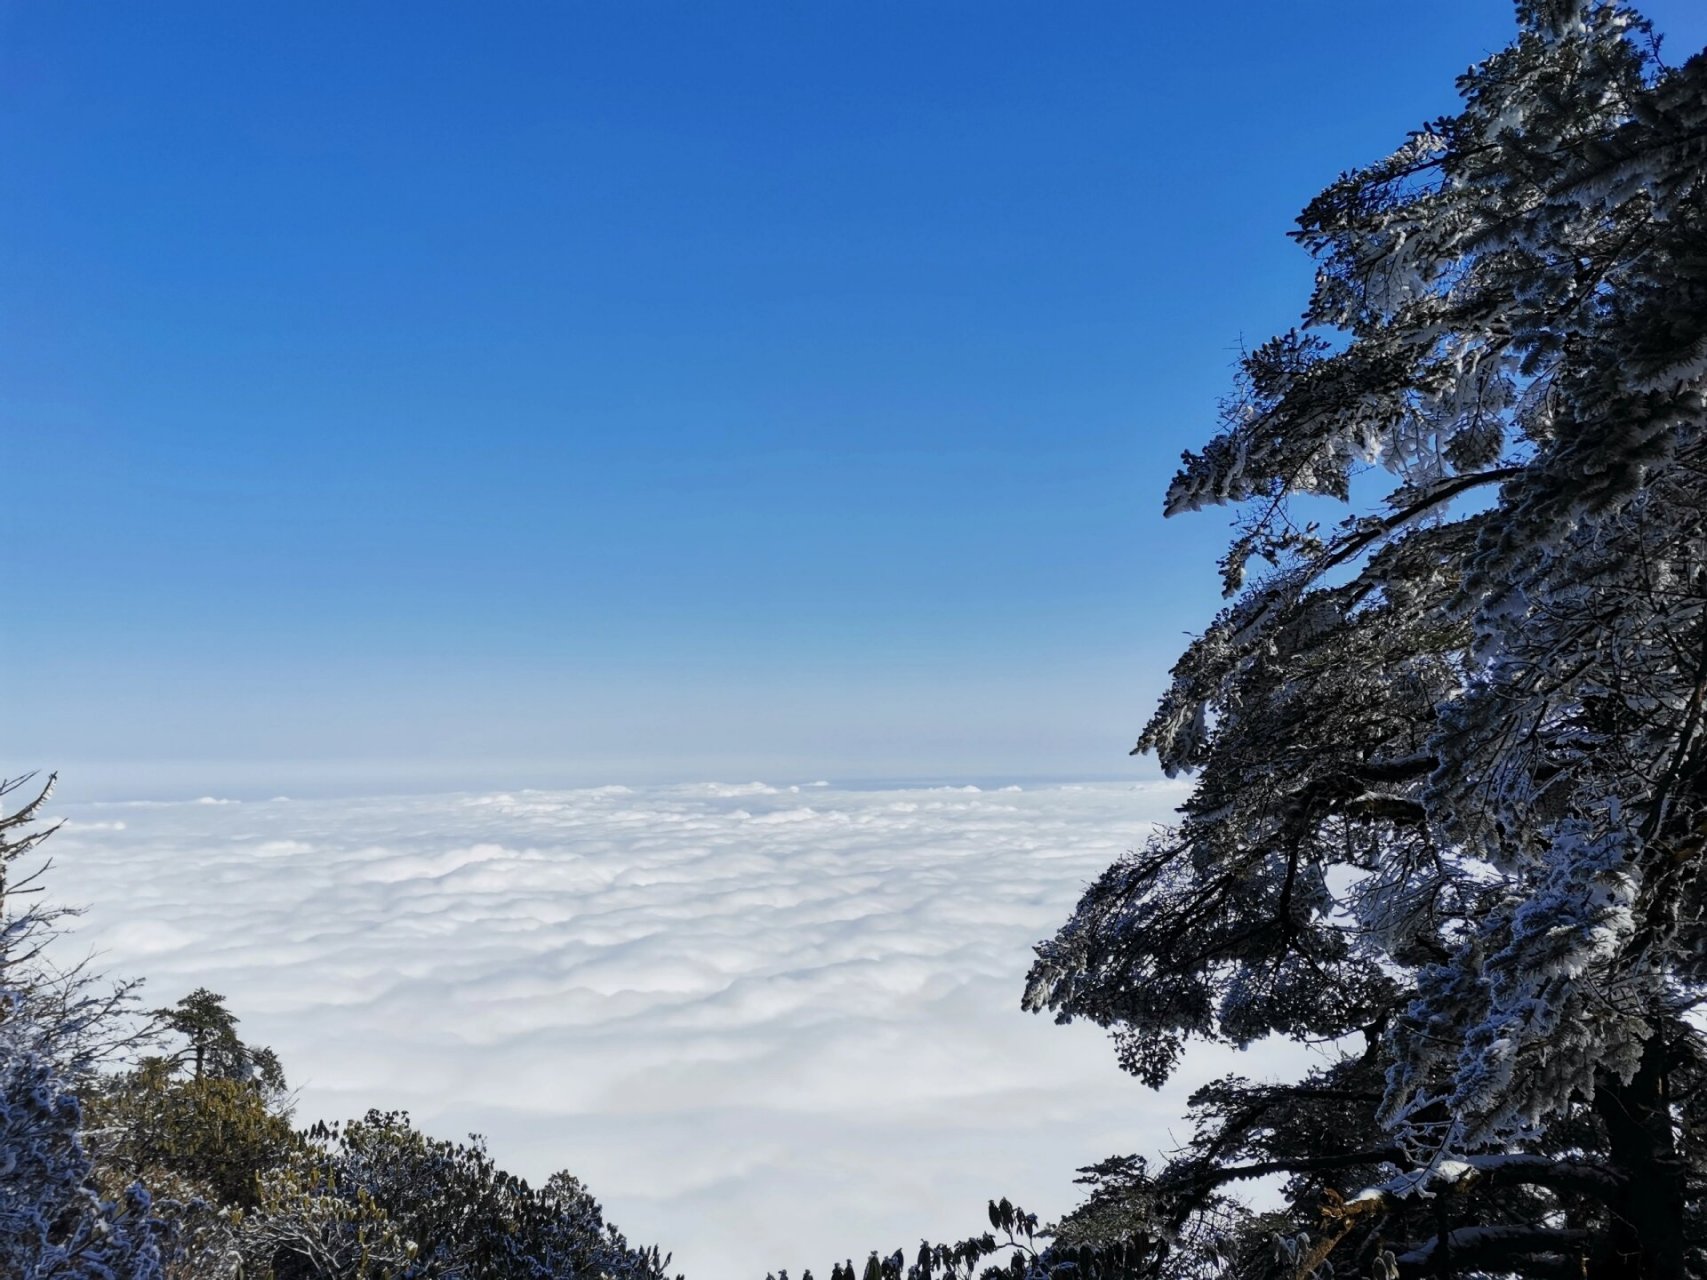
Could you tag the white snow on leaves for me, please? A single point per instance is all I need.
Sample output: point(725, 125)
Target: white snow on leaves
point(767, 1026)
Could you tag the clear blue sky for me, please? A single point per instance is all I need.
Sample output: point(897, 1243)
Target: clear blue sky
point(617, 390)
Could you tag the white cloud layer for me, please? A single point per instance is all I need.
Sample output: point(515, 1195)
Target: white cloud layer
point(768, 1026)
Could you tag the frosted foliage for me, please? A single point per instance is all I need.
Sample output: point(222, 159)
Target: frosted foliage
point(53, 1224)
point(55, 1027)
point(1531, 1034)
point(1450, 754)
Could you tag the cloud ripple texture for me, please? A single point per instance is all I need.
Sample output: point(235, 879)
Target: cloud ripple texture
point(768, 1026)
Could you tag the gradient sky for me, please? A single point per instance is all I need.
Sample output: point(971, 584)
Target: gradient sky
point(621, 390)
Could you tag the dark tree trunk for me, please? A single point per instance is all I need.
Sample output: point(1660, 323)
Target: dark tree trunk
point(1646, 1241)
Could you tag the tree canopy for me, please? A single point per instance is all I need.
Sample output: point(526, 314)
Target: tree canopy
point(1451, 766)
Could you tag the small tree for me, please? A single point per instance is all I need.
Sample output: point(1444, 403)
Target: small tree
point(214, 1048)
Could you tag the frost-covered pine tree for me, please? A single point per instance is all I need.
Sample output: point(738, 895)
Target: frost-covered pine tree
point(1451, 750)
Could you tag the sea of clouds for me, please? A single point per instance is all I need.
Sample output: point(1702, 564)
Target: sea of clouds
point(768, 1026)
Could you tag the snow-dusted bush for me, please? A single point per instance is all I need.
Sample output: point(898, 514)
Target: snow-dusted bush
point(54, 1223)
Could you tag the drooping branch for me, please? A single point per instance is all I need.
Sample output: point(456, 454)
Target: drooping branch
point(1479, 1248)
point(1215, 1177)
point(1444, 492)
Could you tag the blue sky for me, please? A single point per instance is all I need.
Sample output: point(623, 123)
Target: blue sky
point(421, 394)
